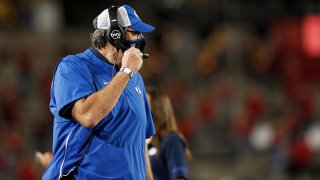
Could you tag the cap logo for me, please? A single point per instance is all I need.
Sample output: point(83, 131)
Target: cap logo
point(115, 34)
point(135, 14)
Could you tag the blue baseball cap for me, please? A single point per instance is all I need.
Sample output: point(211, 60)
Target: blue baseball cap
point(127, 17)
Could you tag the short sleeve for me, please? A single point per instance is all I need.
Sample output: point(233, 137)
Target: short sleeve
point(71, 82)
point(175, 157)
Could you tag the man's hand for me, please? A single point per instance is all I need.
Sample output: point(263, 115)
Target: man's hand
point(132, 59)
point(148, 141)
point(44, 158)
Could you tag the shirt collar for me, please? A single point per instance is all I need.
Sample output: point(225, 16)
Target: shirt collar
point(101, 57)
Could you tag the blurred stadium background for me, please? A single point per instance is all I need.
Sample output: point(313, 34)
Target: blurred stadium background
point(243, 75)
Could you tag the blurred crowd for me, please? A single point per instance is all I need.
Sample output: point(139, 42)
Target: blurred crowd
point(243, 87)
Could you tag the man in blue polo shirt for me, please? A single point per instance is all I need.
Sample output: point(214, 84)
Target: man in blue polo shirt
point(98, 99)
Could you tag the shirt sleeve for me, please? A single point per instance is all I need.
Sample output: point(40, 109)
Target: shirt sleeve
point(150, 125)
point(175, 158)
point(71, 82)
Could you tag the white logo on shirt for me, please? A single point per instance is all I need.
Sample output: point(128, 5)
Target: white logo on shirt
point(138, 89)
point(105, 83)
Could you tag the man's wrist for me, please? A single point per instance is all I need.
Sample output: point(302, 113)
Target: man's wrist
point(127, 70)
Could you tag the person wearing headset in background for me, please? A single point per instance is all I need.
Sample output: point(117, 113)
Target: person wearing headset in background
point(168, 150)
point(101, 114)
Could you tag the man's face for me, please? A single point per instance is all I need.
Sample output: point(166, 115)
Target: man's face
point(135, 39)
point(132, 34)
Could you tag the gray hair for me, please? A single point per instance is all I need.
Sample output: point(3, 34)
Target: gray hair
point(98, 38)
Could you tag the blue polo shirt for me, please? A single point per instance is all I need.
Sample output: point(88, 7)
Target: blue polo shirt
point(169, 162)
point(118, 145)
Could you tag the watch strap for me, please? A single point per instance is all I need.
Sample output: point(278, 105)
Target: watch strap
point(126, 70)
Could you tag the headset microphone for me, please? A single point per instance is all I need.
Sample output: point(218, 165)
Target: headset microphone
point(145, 55)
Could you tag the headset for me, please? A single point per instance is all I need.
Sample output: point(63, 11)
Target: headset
point(115, 34)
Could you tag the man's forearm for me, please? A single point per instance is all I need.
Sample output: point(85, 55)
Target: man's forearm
point(91, 110)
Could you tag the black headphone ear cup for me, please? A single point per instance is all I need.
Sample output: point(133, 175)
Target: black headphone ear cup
point(115, 31)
